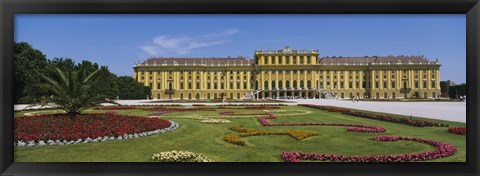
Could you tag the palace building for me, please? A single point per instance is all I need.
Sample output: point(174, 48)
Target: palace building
point(287, 73)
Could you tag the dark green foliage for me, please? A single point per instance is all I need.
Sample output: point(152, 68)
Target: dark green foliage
point(444, 87)
point(28, 63)
point(457, 91)
point(128, 88)
point(73, 90)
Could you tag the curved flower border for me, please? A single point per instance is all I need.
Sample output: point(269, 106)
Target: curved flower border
point(458, 130)
point(32, 143)
point(355, 127)
point(442, 150)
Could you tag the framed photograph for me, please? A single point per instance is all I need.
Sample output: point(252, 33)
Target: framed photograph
point(239, 88)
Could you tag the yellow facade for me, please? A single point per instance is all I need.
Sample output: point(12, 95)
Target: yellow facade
point(291, 74)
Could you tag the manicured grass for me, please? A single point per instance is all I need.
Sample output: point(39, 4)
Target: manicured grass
point(194, 136)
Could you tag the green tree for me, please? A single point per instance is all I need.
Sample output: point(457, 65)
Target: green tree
point(28, 64)
point(73, 90)
point(444, 87)
point(458, 90)
point(128, 88)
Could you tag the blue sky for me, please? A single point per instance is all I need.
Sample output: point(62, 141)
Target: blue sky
point(120, 41)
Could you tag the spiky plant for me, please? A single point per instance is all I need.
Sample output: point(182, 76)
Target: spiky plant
point(72, 90)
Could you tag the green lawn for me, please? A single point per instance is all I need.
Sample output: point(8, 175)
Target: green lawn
point(194, 136)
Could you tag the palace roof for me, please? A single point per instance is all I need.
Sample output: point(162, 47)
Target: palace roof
point(199, 61)
point(374, 59)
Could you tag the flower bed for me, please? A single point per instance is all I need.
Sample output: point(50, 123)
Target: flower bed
point(115, 107)
point(60, 129)
point(235, 138)
point(233, 113)
point(198, 105)
point(399, 120)
point(382, 117)
point(179, 156)
point(325, 108)
point(458, 130)
point(216, 121)
point(178, 109)
point(355, 127)
point(442, 150)
point(255, 104)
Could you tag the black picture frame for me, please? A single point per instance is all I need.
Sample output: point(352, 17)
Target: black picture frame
point(9, 8)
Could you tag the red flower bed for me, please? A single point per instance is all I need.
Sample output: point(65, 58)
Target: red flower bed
point(382, 117)
point(458, 130)
point(325, 108)
point(388, 118)
point(115, 107)
point(443, 150)
point(63, 127)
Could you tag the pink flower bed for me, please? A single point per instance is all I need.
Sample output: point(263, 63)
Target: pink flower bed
point(355, 127)
point(442, 150)
point(458, 130)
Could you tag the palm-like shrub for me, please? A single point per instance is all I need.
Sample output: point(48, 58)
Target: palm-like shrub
point(73, 90)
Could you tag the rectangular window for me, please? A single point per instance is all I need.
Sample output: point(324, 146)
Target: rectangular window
point(151, 86)
point(393, 84)
point(244, 85)
point(208, 86)
point(189, 85)
point(181, 85)
point(341, 85)
point(238, 85)
point(221, 86)
point(376, 85)
point(198, 86)
point(416, 84)
point(158, 86)
point(215, 85)
point(424, 84)
point(231, 86)
point(357, 85)
point(385, 95)
point(433, 84)
point(350, 85)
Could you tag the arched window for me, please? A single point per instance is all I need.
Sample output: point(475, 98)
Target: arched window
point(280, 85)
point(302, 84)
point(273, 85)
point(265, 86)
point(294, 83)
point(309, 84)
point(287, 84)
